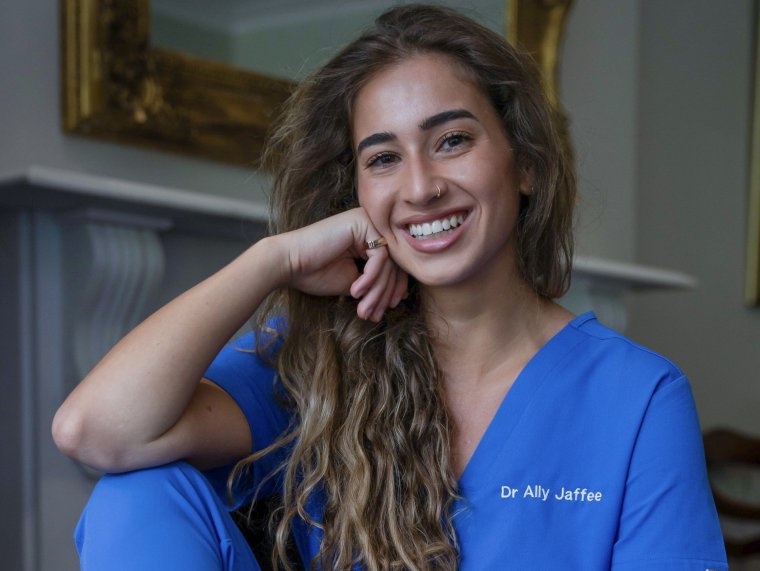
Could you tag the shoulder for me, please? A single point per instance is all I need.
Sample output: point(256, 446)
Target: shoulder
point(250, 356)
point(246, 370)
point(603, 369)
point(610, 353)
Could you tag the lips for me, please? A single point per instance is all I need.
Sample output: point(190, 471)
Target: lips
point(436, 227)
point(435, 232)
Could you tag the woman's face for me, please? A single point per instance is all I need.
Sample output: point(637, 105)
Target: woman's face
point(420, 126)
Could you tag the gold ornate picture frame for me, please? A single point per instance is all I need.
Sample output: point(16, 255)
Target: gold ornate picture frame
point(117, 86)
point(752, 289)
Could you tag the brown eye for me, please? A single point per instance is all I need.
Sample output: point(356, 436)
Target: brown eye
point(381, 160)
point(451, 141)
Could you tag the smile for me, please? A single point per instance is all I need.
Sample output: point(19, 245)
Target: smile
point(436, 228)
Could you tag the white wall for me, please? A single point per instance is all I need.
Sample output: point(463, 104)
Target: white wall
point(659, 98)
point(598, 75)
point(694, 114)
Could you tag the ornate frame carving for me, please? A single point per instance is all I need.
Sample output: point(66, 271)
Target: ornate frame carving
point(538, 26)
point(116, 86)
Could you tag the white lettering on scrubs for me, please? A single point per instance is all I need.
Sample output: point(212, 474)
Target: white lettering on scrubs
point(539, 492)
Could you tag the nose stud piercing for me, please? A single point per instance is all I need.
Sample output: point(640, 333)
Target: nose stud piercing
point(438, 188)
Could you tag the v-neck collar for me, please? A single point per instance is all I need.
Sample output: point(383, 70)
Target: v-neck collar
point(517, 399)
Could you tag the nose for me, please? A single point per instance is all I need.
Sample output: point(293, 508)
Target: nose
point(422, 185)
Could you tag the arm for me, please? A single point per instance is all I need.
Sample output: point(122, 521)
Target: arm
point(668, 518)
point(143, 405)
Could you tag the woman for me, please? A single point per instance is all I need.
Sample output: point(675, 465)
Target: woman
point(432, 407)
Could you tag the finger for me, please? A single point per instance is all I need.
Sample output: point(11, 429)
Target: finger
point(364, 232)
point(372, 300)
point(387, 295)
point(371, 272)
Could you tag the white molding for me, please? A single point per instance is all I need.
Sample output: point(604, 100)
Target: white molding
point(626, 275)
point(77, 183)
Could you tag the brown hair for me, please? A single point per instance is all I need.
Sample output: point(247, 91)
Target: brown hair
point(371, 432)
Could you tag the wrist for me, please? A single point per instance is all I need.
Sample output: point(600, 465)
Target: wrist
point(273, 258)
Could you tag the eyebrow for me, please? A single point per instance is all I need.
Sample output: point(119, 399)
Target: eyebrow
point(445, 117)
point(427, 124)
point(375, 139)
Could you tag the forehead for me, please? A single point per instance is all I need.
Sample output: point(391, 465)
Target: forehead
point(412, 90)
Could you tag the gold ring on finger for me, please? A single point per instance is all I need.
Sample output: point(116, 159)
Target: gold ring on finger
point(376, 243)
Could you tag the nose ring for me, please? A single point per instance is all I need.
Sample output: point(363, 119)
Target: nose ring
point(438, 188)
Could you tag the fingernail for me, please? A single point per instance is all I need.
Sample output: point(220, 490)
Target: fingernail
point(359, 293)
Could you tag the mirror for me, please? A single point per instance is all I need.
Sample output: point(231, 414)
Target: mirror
point(286, 39)
point(208, 78)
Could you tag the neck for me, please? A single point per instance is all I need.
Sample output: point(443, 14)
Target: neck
point(489, 326)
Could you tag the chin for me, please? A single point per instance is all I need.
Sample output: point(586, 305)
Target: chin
point(464, 273)
point(435, 280)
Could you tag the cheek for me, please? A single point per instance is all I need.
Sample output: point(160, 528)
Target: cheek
point(502, 174)
point(363, 195)
point(375, 203)
point(364, 190)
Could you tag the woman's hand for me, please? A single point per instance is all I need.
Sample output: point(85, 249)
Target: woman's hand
point(320, 259)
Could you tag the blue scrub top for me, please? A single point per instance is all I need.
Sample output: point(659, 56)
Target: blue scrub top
point(593, 461)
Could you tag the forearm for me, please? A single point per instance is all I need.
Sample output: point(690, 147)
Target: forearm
point(140, 389)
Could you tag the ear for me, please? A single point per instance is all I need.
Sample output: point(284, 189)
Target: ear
point(527, 177)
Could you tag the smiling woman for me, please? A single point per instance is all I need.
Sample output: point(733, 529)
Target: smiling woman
point(433, 149)
point(409, 363)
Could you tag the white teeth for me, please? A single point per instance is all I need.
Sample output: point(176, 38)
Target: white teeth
point(436, 226)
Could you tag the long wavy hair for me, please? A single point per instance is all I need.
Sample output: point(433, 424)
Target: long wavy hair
point(370, 433)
